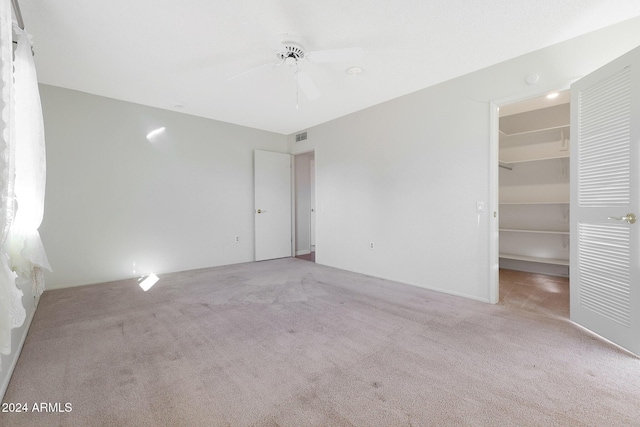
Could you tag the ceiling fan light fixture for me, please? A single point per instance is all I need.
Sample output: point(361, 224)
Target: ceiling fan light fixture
point(354, 71)
point(292, 51)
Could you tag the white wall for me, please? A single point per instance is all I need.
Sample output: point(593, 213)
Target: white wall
point(114, 198)
point(407, 174)
point(303, 203)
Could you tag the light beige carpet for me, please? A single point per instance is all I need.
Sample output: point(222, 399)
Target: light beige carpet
point(292, 343)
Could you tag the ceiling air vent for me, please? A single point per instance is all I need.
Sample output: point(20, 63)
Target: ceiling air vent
point(301, 136)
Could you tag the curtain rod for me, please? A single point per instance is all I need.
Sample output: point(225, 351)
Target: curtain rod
point(16, 10)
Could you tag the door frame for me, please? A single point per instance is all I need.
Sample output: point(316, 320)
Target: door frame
point(294, 183)
point(494, 183)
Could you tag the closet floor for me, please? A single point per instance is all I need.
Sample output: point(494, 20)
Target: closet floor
point(537, 292)
point(308, 257)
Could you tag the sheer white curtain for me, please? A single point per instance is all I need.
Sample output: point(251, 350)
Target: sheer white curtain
point(26, 251)
point(22, 183)
point(10, 296)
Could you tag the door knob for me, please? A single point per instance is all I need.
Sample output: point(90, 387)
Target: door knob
point(629, 218)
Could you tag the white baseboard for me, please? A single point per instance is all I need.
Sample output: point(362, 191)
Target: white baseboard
point(305, 252)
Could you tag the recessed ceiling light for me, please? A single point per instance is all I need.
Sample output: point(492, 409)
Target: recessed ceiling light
point(553, 95)
point(354, 71)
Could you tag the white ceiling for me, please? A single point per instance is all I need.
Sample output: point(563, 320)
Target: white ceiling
point(166, 52)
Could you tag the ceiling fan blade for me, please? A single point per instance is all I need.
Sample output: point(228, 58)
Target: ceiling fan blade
point(252, 70)
point(260, 33)
point(307, 85)
point(336, 55)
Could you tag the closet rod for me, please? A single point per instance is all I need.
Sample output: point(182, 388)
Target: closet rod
point(16, 10)
point(505, 165)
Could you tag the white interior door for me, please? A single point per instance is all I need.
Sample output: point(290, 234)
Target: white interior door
point(272, 192)
point(605, 192)
point(312, 180)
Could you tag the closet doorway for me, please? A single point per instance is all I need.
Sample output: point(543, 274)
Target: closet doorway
point(534, 195)
point(305, 211)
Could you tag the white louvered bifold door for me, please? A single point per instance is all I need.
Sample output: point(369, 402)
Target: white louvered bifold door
point(605, 190)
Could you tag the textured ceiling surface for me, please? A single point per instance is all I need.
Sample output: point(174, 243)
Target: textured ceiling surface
point(179, 55)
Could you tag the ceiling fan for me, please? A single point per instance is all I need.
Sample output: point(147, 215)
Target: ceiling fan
point(292, 54)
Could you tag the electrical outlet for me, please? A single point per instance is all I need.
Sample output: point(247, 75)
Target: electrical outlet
point(237, 239)
point(372, 245)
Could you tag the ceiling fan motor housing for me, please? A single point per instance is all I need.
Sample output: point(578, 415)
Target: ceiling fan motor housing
point(293, 53)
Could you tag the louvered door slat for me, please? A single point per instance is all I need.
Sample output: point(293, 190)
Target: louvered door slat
point(604, 270)
point(604, 135)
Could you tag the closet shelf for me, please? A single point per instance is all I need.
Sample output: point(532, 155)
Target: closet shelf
point(528, 132)
point(517, 230)
point(533, 203)
point(554, 261)
point(509, 163)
